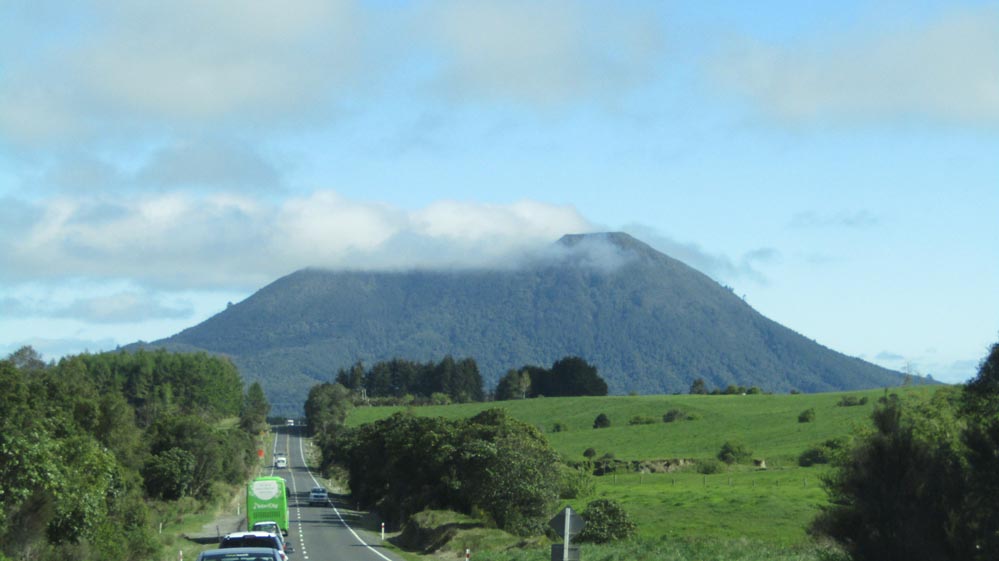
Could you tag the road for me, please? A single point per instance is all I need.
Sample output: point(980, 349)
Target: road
point(321, 533)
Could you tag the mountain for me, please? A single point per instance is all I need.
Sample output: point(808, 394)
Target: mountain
point(649, 323)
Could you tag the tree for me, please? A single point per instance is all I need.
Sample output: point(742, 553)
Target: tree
point(698, 387)
point(602, 421)
point(896, 496)
point(515, 384)
point(574, 376)
point(253, 417)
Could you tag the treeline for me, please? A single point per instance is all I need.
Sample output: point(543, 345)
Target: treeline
point(459, 381)
point(93, 447)
point(491, 464)
point(924, 485)
point(570, 376)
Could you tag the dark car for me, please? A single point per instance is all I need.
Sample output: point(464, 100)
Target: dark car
point(241, 554)
point(255, 539)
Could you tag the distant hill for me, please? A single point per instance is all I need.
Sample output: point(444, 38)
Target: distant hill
point(649, 323)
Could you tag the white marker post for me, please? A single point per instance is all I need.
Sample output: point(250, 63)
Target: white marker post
point(566, 533)
point(383, 530)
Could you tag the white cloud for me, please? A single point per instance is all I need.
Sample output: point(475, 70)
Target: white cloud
point(182, 240)
point(119, 307)
point(151, 67)
point(544, 53)
point(945, 71)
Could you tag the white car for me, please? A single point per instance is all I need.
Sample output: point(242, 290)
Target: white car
point(318, 496)
point(280, 462)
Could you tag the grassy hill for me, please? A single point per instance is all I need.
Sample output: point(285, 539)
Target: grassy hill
point(772, 506)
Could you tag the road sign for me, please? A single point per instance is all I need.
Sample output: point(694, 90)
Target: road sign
point(567, 523)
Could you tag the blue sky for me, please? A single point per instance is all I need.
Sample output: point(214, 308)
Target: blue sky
point(837, 164)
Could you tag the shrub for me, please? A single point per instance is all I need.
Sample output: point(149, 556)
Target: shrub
point(734, 453)
point(606, 521)
point(709, 466)
point(675, 415)
point(807, 416)
point(602, 421)
point(642, 420)
point(589, 452)
point(575, 483)
point(851, 401)
point(560, 427)
point(823, 453)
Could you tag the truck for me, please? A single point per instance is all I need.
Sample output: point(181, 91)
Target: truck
point(267, 499)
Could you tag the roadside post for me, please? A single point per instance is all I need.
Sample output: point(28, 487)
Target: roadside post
point(567, 524)
point(383, 530)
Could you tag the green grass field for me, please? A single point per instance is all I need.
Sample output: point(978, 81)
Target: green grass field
point(772, 506)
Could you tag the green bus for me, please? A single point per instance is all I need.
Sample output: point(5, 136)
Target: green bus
point(267, 499)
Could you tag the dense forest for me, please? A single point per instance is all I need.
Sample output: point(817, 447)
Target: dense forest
point(95, 448)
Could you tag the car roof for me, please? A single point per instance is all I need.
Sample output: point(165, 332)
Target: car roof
point(237, 553)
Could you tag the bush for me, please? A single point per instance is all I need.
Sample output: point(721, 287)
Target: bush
point(575, 483)
point(560, 427)
point(605, 521)
point(709, 466)
point(851, 401)
point(734, 453)
point(589, 452)
point(823, 453)
point(642, 420)
point(602, 421)
point(675, 415)
point(807, 416)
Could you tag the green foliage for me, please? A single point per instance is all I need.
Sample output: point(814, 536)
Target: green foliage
point(169, 474)
point(912, 490)
point(253, 415)
point(675, 415)
point(709, 466)
point(568, 376)
point(823, 453)
point(698, 387)
point(602, 421)
point(735, 452)
point(606, 520)
point(589, 452)
point(515, 384)
point(490, 463)
point(456, 380)
point(77, 437)
point(807, 416)
point(576, 482)
point(852, 401)
point(643, 420)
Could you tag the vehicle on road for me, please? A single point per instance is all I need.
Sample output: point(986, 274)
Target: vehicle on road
point(267, 500)
point(280, 462)
point(255, 539)
point(241, 554)
point(318, 496)
point(290, 422)
point(266, 526)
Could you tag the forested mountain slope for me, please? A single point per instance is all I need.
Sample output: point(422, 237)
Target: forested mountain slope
point(649, 323)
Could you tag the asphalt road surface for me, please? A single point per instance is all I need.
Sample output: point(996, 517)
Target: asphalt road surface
point(321, 533)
